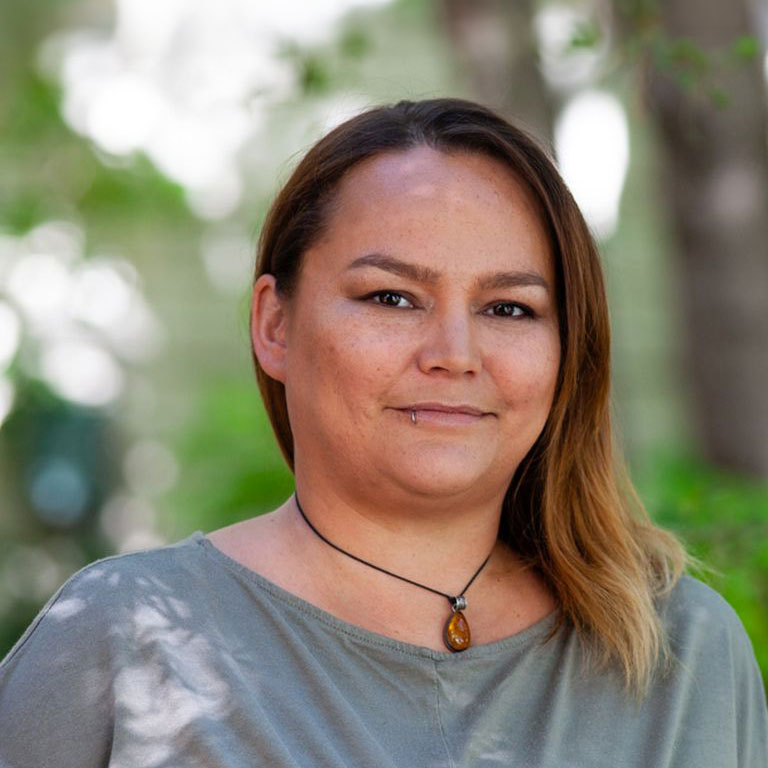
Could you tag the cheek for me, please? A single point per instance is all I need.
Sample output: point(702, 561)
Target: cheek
point(528, 375)
point(338, 352)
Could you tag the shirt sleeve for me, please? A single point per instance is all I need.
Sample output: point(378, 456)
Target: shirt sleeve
point(55, 685)
point(751, 707)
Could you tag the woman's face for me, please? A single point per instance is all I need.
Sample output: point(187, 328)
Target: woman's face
point(431, 292)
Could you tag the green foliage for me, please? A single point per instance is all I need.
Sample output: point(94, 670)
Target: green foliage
point(700, 71)
point(231, 466)
point(16, 621)
point(49, 172)
point(723, 519)
point(746, 48)
point(681, 58)
point(320, 69)
point(19, 213)
point(718, 96)
point(355, 42)
point(643, 13)
point(314, 77)
point(586, 34)
point(137, 187)
point(33, 110)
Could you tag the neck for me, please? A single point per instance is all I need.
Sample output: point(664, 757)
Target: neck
point(440, 547)
point(457, 601)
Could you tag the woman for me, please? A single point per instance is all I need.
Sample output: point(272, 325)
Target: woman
point(463, 576)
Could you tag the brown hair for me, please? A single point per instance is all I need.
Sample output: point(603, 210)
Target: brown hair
point(570, 509)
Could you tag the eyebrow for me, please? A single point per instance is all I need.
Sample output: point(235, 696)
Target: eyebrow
point(421, 274)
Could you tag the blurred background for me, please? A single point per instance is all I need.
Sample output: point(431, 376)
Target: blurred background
point(141, 141)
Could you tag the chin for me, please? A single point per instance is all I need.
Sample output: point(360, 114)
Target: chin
point(443, 475)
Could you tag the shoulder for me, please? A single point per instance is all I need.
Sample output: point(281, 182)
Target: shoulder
point(693, 606)
point(694, 614)
point(707, 635)
point(123, 575)
point(97, 599)
point(692, 598)
point(718, 677)
point(97, 640)
point(117, 580)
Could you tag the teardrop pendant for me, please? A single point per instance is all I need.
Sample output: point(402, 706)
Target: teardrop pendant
point(456, 635)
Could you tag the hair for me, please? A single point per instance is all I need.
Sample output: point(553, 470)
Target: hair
point(570, 510)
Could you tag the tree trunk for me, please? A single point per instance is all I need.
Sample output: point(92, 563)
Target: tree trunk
point(715, 186)
point(496, 47)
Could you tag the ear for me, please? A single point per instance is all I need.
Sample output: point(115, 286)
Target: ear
point(268, 327)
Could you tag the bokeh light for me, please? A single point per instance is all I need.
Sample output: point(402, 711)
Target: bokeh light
point(592, 142)
point(187, 83)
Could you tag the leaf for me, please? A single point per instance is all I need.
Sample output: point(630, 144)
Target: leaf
point(355, 43)
point(586, 34)
point(719, 97)
point(314, 76)
point(684, 52)
point(746, 47)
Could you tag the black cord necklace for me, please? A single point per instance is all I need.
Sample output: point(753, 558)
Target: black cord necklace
point(456, 634)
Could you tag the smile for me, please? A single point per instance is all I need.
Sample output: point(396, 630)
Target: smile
point(443, 415)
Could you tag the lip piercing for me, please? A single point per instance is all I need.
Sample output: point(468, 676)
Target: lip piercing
point(413, 417)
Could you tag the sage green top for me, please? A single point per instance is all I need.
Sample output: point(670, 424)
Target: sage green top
point(180, 656)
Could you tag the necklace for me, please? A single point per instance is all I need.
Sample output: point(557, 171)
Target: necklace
point(456, 634)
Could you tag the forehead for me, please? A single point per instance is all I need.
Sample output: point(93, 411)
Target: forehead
point(425, 173)
point(437, 207)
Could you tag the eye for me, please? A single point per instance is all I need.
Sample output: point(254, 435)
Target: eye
point(390, 299)
point(509, 309)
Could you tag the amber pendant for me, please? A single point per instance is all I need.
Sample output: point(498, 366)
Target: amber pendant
point(456, 634)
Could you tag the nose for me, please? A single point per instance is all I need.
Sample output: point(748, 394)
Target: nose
point(449, 344)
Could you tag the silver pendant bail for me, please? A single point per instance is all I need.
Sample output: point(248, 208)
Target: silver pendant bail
point(459, 603)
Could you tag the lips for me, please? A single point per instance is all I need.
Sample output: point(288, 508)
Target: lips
point(469, 410)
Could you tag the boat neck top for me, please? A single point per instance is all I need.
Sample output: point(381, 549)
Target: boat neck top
point(182, 656)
